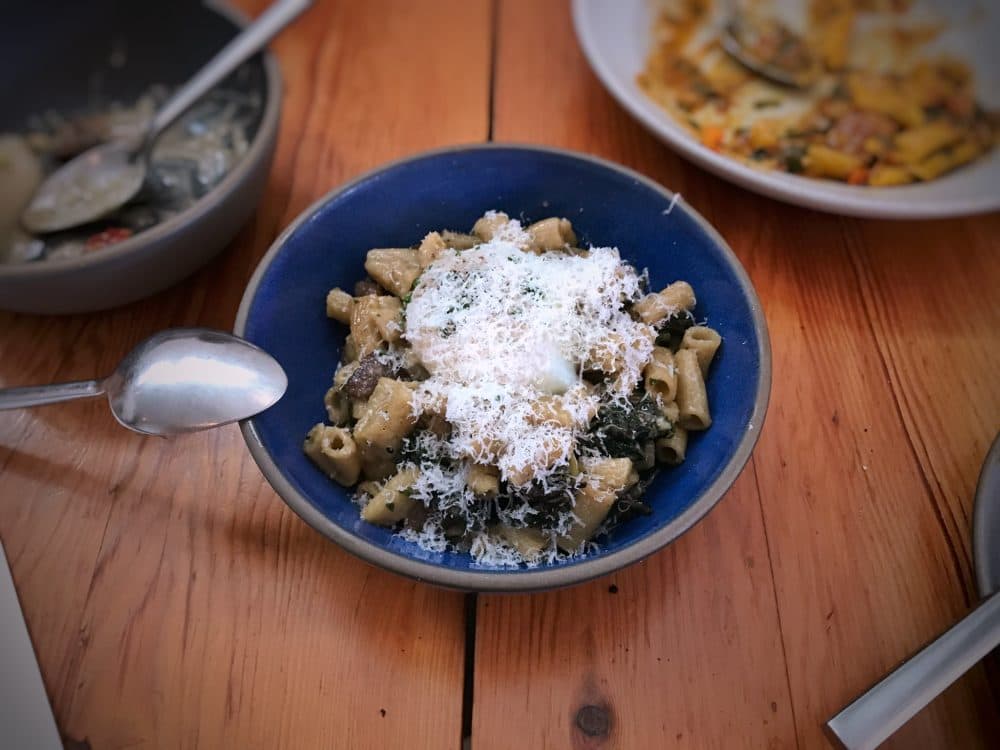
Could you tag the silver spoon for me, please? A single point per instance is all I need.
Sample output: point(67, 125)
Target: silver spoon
point(871, 719)
point(179, 380)
point(105, 177)
point(739, 33)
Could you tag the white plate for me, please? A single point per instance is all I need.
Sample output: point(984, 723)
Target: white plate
point(615, 36)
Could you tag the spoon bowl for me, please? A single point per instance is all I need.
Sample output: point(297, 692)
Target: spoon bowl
point(86, 188)
point(179, 380)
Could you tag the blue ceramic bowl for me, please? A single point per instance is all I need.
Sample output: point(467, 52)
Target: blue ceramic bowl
point(283, 312)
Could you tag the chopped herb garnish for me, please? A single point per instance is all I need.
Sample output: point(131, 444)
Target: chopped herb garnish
point(622, 431)
point(671, 330)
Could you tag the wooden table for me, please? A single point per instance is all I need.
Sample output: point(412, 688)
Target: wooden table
point(175, 601)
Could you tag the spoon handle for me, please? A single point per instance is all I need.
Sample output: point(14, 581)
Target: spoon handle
point(870, 719)
point(36, 395)
point(278, 15)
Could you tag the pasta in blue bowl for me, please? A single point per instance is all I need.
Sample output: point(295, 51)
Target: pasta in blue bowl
point(523, 392)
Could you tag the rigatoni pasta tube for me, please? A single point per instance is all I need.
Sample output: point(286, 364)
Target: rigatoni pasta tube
point(334, 451)
point(343, 374)
point(916, 144)
point(692, 399)
point(350, 353)
point(660, 375)
point(672, 450)
point(338, 406)
point(550, 452)
point(430, 248)
point(339, 305)
point(375, 320)
point(823, 161)
point(608, 357)
point(678, 296)
point(392, 503)
point(883, 175)
point(551, 234)
point(483, 480)
point(674, 298)
point(379, 432)
point(704, 342)
point(486, 227)
point(563, 410)
point(529, 542)
point(358, 408)
point(394, 268)
point(388, 417)
point(458, 240)
point(606, 477)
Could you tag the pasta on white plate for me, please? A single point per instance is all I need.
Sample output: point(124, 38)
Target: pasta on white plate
point(508, 393)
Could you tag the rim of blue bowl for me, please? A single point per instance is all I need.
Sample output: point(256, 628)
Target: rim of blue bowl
point(267, 131)
point(517, 579)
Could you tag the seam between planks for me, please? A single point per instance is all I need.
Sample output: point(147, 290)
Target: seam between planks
point(494, 54)
point(468, 678)
point(774, 594)
point(898, 395)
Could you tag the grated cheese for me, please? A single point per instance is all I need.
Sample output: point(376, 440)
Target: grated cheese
point(499, 328)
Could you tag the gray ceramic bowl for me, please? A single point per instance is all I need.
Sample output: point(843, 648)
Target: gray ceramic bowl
point(54, 64)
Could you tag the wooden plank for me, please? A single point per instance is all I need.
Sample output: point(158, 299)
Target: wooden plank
point(865, 508)
point(173, 599)
point(687, 652)
point(865, 573)
point(682, 650)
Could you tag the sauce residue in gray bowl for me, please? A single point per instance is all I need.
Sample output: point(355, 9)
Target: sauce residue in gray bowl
point(188, 160)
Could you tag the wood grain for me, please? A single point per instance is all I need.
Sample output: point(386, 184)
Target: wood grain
point(655, 664)
point(878, 575)
point(863, 475)
point(925, 331)
point(648, 657)
point(173, 599)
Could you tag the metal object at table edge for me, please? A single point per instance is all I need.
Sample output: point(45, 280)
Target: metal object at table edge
point(872, 718)
point(178, 380)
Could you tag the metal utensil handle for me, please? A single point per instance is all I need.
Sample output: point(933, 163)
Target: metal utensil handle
point(36, 395)
point(870, 719)
point(243, 46)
